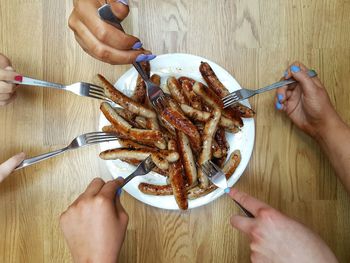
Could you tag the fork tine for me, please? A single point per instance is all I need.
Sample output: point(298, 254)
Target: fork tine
point(98, 97)
point(102, 140)
point(97, 92)
point(230, 101)
point(101, 134)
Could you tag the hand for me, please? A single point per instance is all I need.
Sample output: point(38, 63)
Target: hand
point(94, 225)
point(305, 102)
point(7, 167)
point(7, 91)
point(275, 237)
point(101, 40)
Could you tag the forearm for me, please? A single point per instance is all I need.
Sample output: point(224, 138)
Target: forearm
point(334, 138)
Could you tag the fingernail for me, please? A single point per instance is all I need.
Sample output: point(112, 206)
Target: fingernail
point(280, 97)
point(19, 78)
point(9, 68)
point(278, 106)
point(295, 69)
point(286, 73)
point(124, 2)
point(144, 57)
point(120, 191)
point(227, 190)
point(141, 58)
point(137, 45)
point(150, 57)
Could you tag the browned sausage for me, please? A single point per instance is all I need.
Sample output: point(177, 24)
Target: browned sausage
point(124, 101)
point(152, 189)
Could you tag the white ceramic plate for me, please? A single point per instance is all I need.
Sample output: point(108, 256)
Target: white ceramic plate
point(179, 65)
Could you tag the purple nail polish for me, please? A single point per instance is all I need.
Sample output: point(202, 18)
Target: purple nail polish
point(119, 191)
point(150, 57)
point(280, 97)
point(227, 190)
point(137, 45)
point(141, 58)
point(278, 106)
point(124, 2)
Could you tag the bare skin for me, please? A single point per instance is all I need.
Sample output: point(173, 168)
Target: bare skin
point(8, 95)
point(94, 226)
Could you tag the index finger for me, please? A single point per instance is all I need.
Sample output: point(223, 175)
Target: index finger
point(7, 167)
point(248, 202)
point(109, 190)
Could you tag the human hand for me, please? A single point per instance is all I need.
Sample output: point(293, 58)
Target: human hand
point(102, 40)
point(306, 102)
point(7, 73)
point(10, 165)
point(94, 225)
point(274, 237)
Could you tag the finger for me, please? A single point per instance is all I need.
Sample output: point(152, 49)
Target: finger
point(4, 61)
point(103, 52)
point(242, 223)
point(248, 202)
point(94, 187)
point(6, 102)
point(5, 96)
point(110, 188)
point(104, 32)
point(7, 88)
point(7, 75)
point(120, 209)
point(120, 8)
point(7, 167)
point(299, 73)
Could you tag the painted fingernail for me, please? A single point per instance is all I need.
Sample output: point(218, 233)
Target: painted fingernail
point(227, 190)
point(19, 78)
point(141, 58)
point(294, 69)
point(278, 106)
point(137, 45)
point(144, 57)
point(150, 57)
point(124, 2)
point(280, 97)
point(286, 73)
point(120, 191)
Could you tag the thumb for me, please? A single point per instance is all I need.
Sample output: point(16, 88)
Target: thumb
point(7, 167)
point(120, 8)
point(299, 73)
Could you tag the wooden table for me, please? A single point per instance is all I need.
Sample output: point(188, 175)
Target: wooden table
point(255, 41)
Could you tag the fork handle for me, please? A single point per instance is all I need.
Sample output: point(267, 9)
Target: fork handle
point(245, 211)
point(36, 82)
point(40, 158)
point(311, 73)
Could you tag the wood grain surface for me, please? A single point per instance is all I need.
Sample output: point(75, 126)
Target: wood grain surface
point(255, 41)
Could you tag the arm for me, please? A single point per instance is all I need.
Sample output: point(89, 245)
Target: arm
point(94, 226)
point(276, 238)
point(308, 106)
point(101, 40)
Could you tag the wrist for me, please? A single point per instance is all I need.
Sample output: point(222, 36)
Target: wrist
point(329, 128)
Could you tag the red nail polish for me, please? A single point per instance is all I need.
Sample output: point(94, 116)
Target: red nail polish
point(19, 78)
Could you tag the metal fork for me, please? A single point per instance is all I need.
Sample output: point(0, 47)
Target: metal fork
point(80, 88)
point(142, 169)
point(243, 94)
point(154, 92)
point(218, 178)
point(78, 142)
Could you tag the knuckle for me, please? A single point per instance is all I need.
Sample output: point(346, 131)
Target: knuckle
point(265, 213)
point(101, 34)
point(97, 179)
point(100, 200)
point(101, 52)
